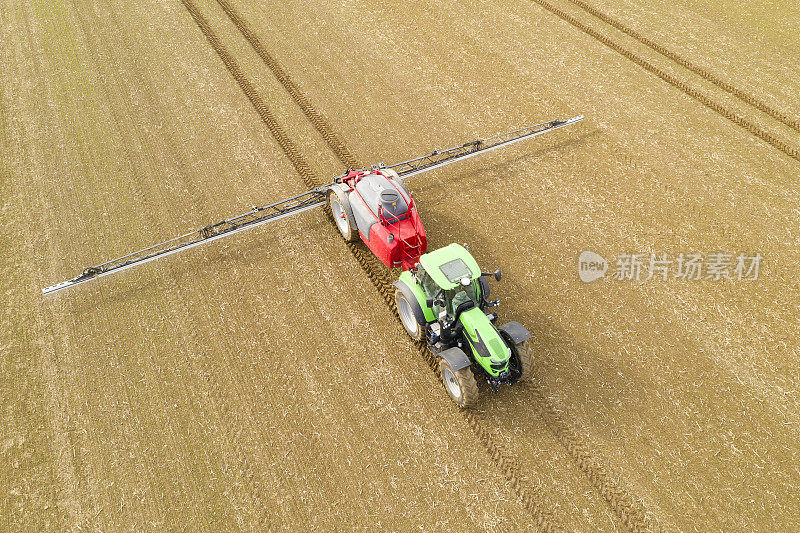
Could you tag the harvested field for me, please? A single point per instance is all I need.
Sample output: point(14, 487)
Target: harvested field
point(264, 381)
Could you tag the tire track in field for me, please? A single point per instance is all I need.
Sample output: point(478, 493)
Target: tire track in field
point(621, 502)
point(379, 277)
point(698, 95)
point(700, 71)
point(316, 118)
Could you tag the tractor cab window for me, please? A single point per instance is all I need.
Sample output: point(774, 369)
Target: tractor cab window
point(455, 270)
point(428, 285)
point(459, 295)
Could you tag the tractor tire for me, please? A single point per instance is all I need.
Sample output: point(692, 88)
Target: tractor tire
point(414, 329)
point(343, 215)
point(459, 384)
point(523, 353)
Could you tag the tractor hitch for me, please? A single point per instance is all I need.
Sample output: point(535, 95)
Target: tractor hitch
point(509, 377)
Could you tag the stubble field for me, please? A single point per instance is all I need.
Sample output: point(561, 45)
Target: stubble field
point(263, 382)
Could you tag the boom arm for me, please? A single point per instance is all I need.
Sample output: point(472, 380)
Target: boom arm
point(302, 202)
point(259, 215)
point(440, 158)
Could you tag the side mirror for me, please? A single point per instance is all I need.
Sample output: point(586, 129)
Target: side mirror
point(497, 274)
point(429, 302)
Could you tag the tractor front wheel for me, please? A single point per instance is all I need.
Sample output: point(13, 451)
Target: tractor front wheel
point(525, 354)
point(522, 354)
point(459, 384)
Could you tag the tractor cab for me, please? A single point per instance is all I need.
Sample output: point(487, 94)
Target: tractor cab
point(453, 279)
point(463, 295)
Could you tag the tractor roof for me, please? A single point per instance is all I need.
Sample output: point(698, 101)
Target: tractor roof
point(446, 266)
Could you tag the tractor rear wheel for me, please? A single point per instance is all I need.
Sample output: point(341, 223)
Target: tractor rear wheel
point(459, 384)
point(414, 329)
point(343, 215)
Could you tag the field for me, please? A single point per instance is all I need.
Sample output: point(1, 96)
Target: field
point(264, 381)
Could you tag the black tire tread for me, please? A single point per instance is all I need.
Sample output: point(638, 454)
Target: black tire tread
point(525, 352)
point(352, 235)
point(467, 383)
point(420, 329)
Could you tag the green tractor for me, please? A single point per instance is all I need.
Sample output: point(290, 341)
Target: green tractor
point(444, 301)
